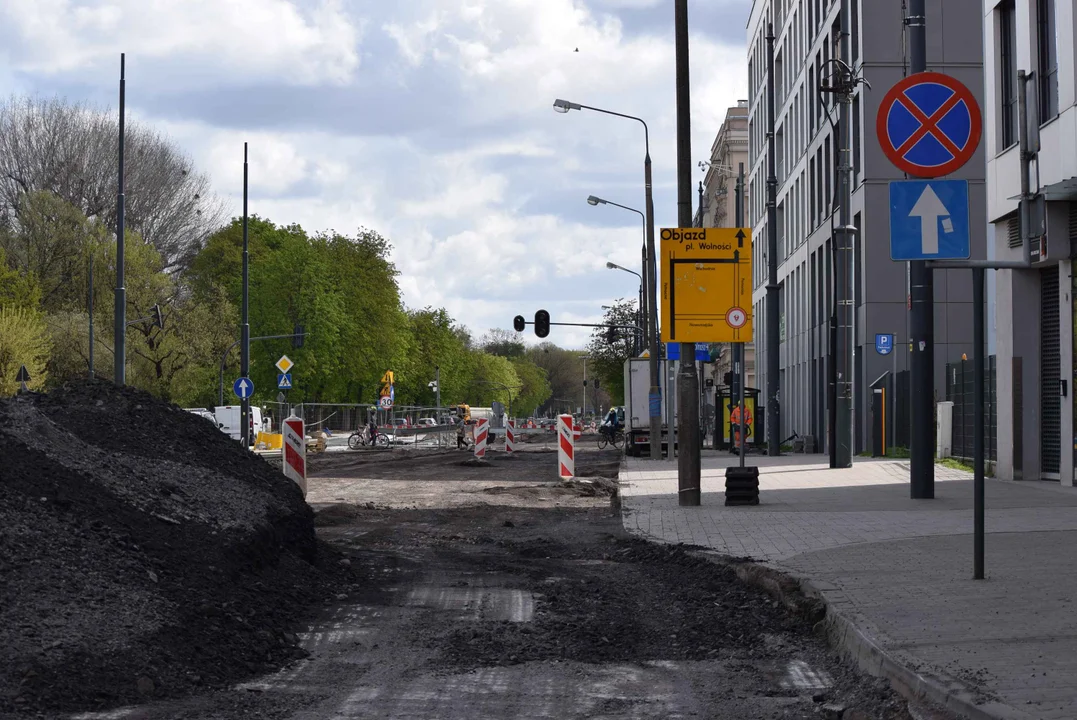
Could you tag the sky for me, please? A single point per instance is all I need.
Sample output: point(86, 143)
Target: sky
point(429, 121)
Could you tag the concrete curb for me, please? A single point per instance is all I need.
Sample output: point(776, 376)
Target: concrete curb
point(802, 596)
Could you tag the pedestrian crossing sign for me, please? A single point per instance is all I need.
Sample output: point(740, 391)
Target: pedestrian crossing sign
point(284, 381)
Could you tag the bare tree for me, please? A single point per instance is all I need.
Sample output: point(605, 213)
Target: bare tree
point(71, 150)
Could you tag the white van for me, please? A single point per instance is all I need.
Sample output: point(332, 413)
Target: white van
point(228, 417)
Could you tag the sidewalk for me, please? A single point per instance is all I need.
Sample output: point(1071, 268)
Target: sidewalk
point(899, 569)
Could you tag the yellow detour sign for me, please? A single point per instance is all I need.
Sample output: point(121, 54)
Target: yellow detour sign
point(706, 276)
point(727, 431)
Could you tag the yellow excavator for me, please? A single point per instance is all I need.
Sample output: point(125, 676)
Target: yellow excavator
point(462, 412)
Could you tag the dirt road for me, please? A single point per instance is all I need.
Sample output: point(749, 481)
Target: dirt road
point(494, 592)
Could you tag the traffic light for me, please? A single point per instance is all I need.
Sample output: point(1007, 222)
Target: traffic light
point(518, 323)
point(542, 323)
point(297, 338)
point(611, 334)
point(728, 379)
point(596, 383)
point(158, 318)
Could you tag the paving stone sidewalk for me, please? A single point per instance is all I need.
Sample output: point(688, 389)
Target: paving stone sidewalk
point(900, 569)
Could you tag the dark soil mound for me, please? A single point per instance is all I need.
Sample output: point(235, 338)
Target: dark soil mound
point(142, 552)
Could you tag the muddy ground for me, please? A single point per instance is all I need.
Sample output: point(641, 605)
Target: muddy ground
point(497, 592)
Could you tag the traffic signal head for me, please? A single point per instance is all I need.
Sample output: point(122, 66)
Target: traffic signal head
point(611, 334)
point(518, 323)
point(158, 318)
point(728, 379)
point(542, 323)
point(297, 337)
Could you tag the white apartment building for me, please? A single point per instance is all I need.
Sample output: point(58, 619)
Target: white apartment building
point(1034, 308)
point(807, 33)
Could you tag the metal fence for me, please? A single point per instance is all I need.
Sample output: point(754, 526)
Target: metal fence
point(959, 391)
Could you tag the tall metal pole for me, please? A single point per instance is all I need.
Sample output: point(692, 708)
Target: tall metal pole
point(979, 348)
point(654, 403)
point(688, 459)
point(738, 348)
point(437, 400)
point(774, 439)
point(921, 319)
point(245, 327)
point(844, 272)
point(120, 330)
point(89, 301)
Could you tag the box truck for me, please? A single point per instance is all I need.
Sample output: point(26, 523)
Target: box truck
point(637, 404)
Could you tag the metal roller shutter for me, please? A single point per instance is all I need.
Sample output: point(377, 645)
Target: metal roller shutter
point(1050, 373)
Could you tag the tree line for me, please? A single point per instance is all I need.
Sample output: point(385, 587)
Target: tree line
point(57, 222)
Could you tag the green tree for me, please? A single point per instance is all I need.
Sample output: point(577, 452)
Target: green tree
point(24, 341)
point(609, 350)
point(564, 372)
point(504, 343)
point(50, 242)
point(18, 288)
point(536, 387)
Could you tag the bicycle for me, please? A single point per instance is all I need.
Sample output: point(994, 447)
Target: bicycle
point(608, 437)
point(360, 439)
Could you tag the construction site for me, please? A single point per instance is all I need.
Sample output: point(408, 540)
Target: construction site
point(192, 579)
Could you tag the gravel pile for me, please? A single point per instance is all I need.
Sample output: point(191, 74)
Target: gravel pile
point(142, 553)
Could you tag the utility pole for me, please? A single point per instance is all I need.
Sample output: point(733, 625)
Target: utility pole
point(120, 330)
point(650, 273)
point(437, 398)
point(688, 458)
point(844, 272)
point(774, 440)
point(921, 318)
point(245, 327)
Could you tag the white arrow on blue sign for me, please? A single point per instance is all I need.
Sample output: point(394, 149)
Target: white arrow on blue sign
point(929, 220)
point(243, 388)
point(884, 343)
point(284, 381)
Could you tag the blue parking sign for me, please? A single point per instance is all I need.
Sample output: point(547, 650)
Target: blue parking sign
point(884, 343)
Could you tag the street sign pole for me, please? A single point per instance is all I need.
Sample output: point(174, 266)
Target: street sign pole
point(738, 348)
point(978, 421)
point(922, 318)
point(245, 329)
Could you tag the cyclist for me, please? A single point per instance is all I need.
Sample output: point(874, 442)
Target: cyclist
point(610, 425)
point(372, 430)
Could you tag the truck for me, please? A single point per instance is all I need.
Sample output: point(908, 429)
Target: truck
point(637, 405)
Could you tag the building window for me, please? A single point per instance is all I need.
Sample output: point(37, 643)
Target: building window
point(855, 7)
point(1047, 59)
point(1007, 36)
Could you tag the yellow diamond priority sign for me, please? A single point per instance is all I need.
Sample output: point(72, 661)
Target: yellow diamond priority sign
point(706, 276)
point(285, 364)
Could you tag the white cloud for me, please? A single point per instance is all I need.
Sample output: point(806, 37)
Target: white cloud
point(480, 187)
point(235, 40)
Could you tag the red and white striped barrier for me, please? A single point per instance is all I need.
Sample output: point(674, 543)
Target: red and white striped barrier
point(294, 449)
point(577, 431)
point(510, 437)
point(566, 447)
point(482, 433)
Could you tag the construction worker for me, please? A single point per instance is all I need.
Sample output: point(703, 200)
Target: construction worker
point(734, 422)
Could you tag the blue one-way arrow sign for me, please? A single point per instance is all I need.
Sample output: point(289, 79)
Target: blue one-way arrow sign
point(929, 220)
point(243, 388)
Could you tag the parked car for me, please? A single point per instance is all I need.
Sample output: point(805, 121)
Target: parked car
point(202, 412)
point(426, 422)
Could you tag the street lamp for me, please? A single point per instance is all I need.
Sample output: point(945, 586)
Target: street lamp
point(595, 201)
point(563, 106)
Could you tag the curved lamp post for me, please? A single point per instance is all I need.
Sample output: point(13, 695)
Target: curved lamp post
point(650, 268)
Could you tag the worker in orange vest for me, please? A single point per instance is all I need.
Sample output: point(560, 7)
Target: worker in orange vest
point(734, 422)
